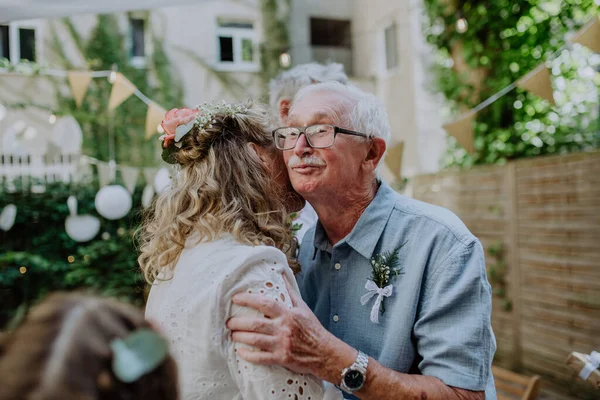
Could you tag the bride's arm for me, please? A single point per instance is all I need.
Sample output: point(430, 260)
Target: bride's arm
point(268, 382)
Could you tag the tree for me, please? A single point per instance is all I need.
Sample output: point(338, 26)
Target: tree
point(502, 42)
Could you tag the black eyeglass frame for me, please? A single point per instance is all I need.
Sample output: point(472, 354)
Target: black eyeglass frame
point(302, 131)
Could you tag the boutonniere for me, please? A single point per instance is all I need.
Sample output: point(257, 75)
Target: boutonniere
point(385, 267)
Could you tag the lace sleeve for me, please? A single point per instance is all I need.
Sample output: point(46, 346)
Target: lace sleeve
point(270, 382)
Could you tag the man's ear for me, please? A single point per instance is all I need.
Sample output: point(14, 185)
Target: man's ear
point(284, 110)
point(376, 152)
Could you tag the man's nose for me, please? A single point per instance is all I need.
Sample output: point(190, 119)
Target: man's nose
point(302, 147)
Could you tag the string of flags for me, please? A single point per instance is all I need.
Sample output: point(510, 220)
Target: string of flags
point(122, 89)
point(537, 81)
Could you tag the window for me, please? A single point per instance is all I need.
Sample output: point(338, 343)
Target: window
point(137, 37)
point(27, 44)
point(236, 46)
point(391, 46)
point(331, 41)
point(17, 43)
point(137, 42)
point(4, 42)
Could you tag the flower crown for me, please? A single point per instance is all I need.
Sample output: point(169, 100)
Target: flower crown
point(179, 122)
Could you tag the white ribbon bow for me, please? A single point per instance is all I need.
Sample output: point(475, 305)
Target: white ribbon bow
point(380, 292)
point(594, 362)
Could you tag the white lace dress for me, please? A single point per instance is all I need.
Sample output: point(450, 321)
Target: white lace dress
point(192, 307)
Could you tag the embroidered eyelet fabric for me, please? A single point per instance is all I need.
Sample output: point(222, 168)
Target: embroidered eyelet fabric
point(191, 310)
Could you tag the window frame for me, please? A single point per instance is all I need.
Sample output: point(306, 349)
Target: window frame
point(14, 41)
point(138, 61)
point(238, 35)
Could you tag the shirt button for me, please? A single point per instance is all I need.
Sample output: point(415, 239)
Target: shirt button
point(338, 266)
point(336, 318)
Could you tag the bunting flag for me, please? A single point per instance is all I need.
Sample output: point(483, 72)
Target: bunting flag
point(538, 82)
point(104, 173)
point(79, 82)
point(393, 159)
point(130, 177)
point(462, 131)
point(589, 35)
point(154, 117)
point(120, 92)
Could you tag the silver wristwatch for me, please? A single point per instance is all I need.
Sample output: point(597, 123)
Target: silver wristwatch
point(355, 376)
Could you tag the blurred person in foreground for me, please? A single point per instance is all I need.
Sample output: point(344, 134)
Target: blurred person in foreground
point(395, 300)
point(222, 229)
point(282, 90)
point(74, 347)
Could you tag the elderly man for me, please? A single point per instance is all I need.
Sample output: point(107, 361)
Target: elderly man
point(398, 288)
point(282, 90)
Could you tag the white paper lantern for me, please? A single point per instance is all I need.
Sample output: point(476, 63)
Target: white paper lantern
point(147, 196)
point(113, 202)
point(80, 228)
point(162, 180)
point(7, 217)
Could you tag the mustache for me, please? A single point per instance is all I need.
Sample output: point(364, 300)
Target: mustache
point(311, 160)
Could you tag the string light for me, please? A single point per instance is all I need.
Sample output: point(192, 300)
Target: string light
point(285, 60)
point(112, 77)
point(86, 258)
point(71, 259)
point(461, 25)
point(23, 270)
point(52, 119)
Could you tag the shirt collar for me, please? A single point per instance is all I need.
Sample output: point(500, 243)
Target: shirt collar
point(368, 229)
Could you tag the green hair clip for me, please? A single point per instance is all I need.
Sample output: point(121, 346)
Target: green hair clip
point(137, 354)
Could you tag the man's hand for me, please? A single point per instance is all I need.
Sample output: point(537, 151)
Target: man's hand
point(293, 338)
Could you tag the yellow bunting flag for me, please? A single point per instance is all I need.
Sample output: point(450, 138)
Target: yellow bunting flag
point(121, 91)
point(393, 159)
point(154, 117)
point(79, 82)
point(462, 131)
point(589, 35)
point(538, 82)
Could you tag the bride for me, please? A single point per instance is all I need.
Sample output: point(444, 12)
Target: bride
point(219, 230)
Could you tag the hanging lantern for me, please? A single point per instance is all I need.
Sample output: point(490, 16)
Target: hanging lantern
point(80, 228)
point(113, 202)
point(162, 180)
point(147, 196)
point(7, 217)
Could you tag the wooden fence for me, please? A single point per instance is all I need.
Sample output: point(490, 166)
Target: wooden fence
point(539, 220)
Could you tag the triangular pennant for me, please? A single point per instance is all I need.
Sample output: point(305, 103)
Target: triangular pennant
point(589, 35)
point(120, 92)
point(79, 82)
point(393, 159)
point(462, 131)
point(149, 174)
point(154, 117)
point(538, 82)
point(104, 173)
point(130, 177)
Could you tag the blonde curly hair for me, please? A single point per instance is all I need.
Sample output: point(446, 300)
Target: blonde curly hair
point(222, 187)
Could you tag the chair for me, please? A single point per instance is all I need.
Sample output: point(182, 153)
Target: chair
point(513, 386)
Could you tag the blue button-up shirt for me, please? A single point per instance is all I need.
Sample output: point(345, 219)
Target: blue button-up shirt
point(437, 320)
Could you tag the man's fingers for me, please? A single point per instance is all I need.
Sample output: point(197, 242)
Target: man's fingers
point(258, 357)
point(256, 340)
point(267, 306)
point(251, 324)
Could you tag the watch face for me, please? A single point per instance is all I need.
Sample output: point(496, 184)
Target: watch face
point(354, 379)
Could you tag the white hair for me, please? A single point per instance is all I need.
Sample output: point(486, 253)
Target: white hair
point(288, 83)
point(365, 112)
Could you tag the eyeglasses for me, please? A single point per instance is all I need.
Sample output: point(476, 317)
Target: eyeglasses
point(319, 136)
